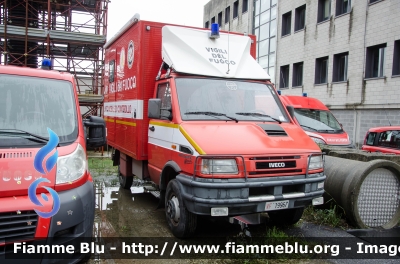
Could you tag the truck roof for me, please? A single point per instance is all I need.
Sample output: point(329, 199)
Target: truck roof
point(383, 128)
point(303, 102)
point(35, 72)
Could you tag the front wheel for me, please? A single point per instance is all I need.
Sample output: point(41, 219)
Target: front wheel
point(181, 222)
point(286, 217)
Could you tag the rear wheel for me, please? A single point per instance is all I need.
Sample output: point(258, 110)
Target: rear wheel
point(181, 222)
point(125, 182)
point(286, 217)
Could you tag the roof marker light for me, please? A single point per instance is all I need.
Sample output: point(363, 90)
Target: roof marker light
point(214, 31)
point(304, 94)
point(46, 64)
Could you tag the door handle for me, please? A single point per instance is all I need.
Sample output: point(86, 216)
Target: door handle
point(152, 128)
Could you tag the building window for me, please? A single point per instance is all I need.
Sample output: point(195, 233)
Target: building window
point(343, 7)
point(245, 6)
point(396, 58)
point(375, 65)
point(213, 20)
point(220, 19)
point(235, 9)
point(227, 14)
point(206, 25)
point(265, 29)
point(373, 1)
point(286, 23)
point(284, 77)
point(297, 74)
point(321, 70)
point(300, 18)
point(340, 62)
point(324, 10)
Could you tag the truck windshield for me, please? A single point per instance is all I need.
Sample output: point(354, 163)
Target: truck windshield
point(215, 99)
point(317, 120)
point(30, 105)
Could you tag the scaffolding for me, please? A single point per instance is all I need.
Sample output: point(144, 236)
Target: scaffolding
point(71, 33)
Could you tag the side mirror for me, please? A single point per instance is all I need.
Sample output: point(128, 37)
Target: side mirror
point(290, 110)
point(96, 131)
point(154, 109)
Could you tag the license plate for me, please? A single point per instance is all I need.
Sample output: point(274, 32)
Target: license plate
point(276, 205)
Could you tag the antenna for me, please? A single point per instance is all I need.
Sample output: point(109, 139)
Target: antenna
point(387, 117)
point(228, 33)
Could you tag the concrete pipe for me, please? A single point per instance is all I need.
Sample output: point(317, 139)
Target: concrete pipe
point(369, 192)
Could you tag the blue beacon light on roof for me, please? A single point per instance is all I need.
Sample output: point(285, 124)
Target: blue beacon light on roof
point(214, 31)
point(46, 64)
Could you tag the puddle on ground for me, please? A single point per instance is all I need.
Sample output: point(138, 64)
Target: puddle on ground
point(132, 213)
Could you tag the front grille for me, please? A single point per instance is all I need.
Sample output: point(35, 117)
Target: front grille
point(277, 172)
point(18, 225)
point(275, 158)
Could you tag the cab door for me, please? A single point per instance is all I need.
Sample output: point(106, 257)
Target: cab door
point(160, 133)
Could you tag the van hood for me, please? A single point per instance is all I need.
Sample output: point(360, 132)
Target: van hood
point(17, 172)
point(250, 138)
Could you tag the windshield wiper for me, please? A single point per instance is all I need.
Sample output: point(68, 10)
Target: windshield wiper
point(310, 127)
point(261, 115)
point(19, 131)
point(210, 114)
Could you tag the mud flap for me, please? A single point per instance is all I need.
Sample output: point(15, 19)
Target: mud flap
point(161, 201)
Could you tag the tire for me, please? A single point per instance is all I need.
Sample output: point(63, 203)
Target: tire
point(286, 217)
point(182, 223)
point(125, 182)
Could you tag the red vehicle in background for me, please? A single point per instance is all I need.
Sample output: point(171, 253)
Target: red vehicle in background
point(383, 139)
point(317, 121)
point(32, 102)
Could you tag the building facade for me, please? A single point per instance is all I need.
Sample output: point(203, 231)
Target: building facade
point(346, 53)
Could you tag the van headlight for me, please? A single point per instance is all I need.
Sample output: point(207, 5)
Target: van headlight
point(71, 167)
point(318, 141)
point(316, 162)
point(219, 166)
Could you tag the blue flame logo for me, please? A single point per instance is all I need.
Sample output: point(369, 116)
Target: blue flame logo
point(50, 163)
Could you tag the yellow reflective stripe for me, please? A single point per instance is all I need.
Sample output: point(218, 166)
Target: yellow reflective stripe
point(164, 124)
point(108, 119)
point(126, 123)
point(191, 141)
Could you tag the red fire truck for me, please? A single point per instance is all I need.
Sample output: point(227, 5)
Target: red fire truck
point(192, 115)
point(54, 204)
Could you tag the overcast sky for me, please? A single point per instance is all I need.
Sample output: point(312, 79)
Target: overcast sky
point(182, 12)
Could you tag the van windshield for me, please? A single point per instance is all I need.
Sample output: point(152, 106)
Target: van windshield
point(30, 105)
point(215, 99)
point(317, 120)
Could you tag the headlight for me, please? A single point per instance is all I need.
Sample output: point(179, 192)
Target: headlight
point(219, 166)
point(71, 167)
point(318, 141)
point(316, 162)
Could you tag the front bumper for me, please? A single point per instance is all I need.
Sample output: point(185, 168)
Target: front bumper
point(72, 225)
point(248, 196)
